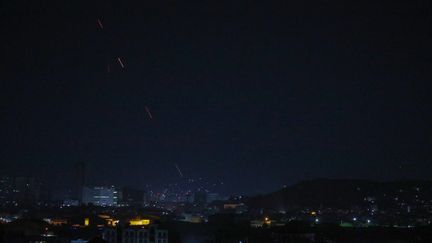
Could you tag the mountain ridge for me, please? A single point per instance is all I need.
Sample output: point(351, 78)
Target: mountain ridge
point(341, 193)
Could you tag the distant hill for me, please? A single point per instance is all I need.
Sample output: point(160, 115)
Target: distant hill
point(341, 193)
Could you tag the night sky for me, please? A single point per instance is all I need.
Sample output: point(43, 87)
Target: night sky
point(256, 95)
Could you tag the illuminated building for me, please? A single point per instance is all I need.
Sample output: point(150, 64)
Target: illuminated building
point(112, 222)
point(71, 202)
point(238, 208)
point(260, 223)
point(232, 205)
point(100, 196)
point(56, 222)
point(78, 241)
point(108, 220)
point(256, 223)
point(139, 222)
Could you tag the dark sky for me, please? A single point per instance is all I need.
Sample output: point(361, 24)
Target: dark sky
point(255, 94)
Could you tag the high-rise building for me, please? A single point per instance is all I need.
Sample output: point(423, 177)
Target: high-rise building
point(100, 196)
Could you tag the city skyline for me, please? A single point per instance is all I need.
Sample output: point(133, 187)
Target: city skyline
point(228, 121)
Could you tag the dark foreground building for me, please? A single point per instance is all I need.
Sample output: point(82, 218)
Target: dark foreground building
point(136, 234)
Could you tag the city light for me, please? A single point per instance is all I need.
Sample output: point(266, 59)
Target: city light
point(139, 222)
point(86, 222)
point(267, 221)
